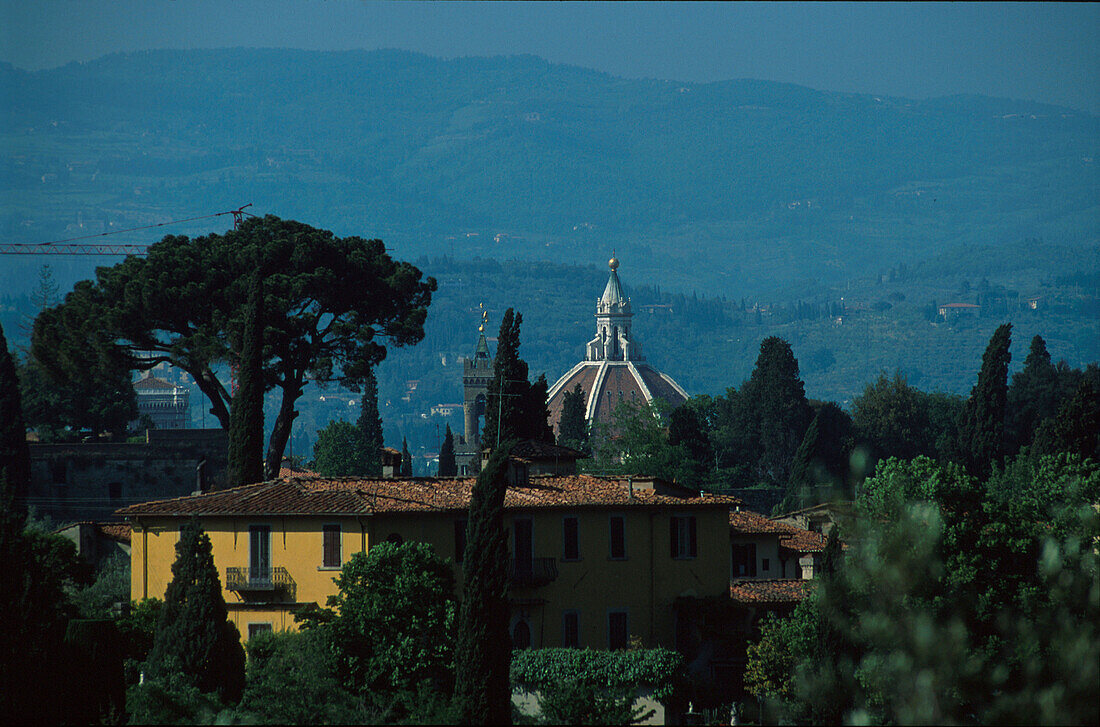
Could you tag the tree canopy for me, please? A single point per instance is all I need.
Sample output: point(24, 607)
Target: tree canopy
point(338, 451)
point(328, 301)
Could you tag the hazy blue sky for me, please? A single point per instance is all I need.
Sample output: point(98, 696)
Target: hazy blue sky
point(1042, 52)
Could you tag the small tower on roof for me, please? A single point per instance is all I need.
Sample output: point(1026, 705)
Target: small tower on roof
point(613, 341)
point(476, 374)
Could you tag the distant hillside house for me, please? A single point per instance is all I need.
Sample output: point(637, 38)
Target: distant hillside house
point(950, 311)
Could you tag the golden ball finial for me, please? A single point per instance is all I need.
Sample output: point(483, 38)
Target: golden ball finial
point(481, 329)
point(613, 263)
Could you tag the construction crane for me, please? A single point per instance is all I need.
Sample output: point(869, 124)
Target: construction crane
point(72, 246)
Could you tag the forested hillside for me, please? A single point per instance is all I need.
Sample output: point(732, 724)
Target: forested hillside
point(738, 186)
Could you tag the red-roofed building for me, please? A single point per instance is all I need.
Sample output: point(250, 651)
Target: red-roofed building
point(595, 561)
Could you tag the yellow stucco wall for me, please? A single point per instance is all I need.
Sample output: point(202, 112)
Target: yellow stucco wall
point(644, 584)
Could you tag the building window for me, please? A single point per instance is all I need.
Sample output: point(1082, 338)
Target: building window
point(460, 539)
point(332, 556)
point(114, 490)
point(617, 537)
point(259, 561)
point(571, 630)
point(259, 628)
point(521, 635)
point(765, 564)
point(571, 543)
point(681, 536)
point(618, 633)
point(744, 561)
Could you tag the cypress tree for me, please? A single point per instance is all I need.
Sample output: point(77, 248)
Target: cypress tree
point(406, 459)
point(514, 408)
point(447, 465)
point(370, 426)
point(194, 638)
point(777, 407)
point(246, 418)
point(572, 428)
point(982, 425)
point(484, 650)
point(15, 458)
point(1032, 396)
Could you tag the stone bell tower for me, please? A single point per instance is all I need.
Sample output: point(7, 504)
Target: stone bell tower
point(477, 372)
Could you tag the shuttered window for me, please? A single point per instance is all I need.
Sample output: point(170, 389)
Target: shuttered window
point(618, 633)
point(570, 630)
point(617, 537)
point(681, 537)
point(332, 554)
point(571, 549)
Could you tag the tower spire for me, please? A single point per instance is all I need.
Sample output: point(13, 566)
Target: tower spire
point(613, 341)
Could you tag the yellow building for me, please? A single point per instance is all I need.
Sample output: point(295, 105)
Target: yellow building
point(596, 562)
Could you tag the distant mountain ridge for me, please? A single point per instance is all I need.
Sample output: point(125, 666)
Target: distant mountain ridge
point(733, 187)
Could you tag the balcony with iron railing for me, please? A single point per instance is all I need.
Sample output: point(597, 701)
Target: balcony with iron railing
point(255, 582)
point(532, 573)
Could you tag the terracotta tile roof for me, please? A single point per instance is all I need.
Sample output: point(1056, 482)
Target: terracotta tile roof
point(288, 470)
point(350, 495)
point(787, 590)
point(115, 531)
point(791, 537)
point(745, 522)
point(803, 541)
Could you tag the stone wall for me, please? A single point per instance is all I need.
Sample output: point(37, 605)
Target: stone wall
point(89, 481)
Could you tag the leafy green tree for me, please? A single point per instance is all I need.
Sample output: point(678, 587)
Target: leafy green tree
point(294, 678)
point(982, 426)
point(514, 408)
point(483, 651)
point(583, 703)
point(338, 451)
point(15, 458)
point(246, 419)
point(370, 426)
point(39, 571)
point(87, 378)
point(94, 683)
point(892, 418)
point(1033, 396)
point(110, 587)
point(406, 459)
point(956, 601)
point(447, 465)
point(327, 302)
point(688, 434)
point(1076, 428)
point(138, 627)
point(195, 640)
point(395, 618)
point(636, 442)
point(572, 427)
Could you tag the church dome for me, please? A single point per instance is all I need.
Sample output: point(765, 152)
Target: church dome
point(614, 369)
